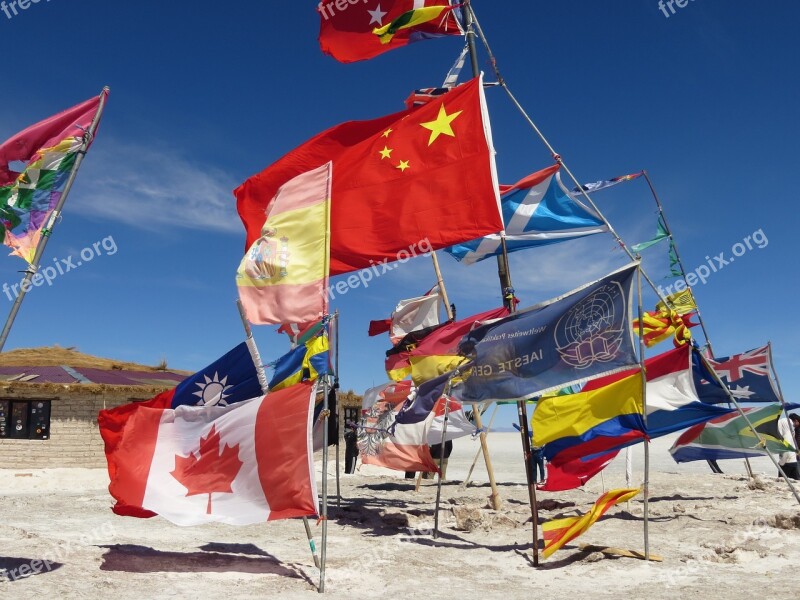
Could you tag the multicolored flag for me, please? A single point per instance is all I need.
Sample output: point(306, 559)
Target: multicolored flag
point(241, 464)
point(590, 423)
point(730, 436)
point(661, 234)
point(537, 211)
point(350, 31)
point(673, 401)
point(559, 532)
point(304, 363)
point(48, 149)
point(583, 334)
point(662, 325)
point(300, 333)
point(605, 184)
point(437, 353)
point(230, 379)
point(563, 475)
point(392, 176)
point(682, 302)
point(747, 376)
point(283, 277)
point(384, 442)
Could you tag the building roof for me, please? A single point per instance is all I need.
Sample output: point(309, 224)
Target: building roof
point(68, 366)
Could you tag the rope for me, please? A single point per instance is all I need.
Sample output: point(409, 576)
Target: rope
point(556, 156)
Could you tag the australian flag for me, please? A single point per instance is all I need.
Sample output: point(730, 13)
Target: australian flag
point(747, 375)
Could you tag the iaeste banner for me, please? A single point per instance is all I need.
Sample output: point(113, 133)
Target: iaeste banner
point(578, 336)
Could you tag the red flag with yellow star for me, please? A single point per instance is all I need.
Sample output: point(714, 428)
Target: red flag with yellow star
point(353, 30)
point(403, 185)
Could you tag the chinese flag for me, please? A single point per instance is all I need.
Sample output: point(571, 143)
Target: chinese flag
point(353, 30)
point(406, 184)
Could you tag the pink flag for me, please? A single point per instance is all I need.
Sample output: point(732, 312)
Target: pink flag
point(283, 278)
point(246, 463)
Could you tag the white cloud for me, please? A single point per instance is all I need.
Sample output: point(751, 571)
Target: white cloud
point(154, 188)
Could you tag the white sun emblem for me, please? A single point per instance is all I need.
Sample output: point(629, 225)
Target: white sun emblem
point(212, 392)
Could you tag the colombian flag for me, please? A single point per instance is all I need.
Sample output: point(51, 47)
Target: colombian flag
point(590, 423)
point(562, 531)
point(283, 277)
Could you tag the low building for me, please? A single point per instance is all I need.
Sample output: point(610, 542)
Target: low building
point(50, 398)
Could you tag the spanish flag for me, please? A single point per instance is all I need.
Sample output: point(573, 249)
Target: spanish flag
point(283, 277)
point(559, 532)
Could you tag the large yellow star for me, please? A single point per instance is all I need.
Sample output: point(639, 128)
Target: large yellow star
point(387, 132)
point(386, 152)
point(441, 126)
point(404, 165)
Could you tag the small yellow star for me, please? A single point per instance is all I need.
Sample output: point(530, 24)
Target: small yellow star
point(387, 132)
point(441, 126)
point(386, 152)
point(403, 165)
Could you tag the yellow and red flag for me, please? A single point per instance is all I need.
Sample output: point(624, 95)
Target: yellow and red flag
point(660, 325)
point(559, 532)
point(283, 277)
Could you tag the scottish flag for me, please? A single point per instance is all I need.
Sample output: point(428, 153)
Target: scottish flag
point(537, 211)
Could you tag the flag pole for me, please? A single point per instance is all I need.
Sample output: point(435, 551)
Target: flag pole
point(677, 255)
point(47, 230)
point(441, 461)
point(646, 485)
point(522, 413)
point(324, 515)
point(762, 444)
point(466, 481)
point(557, 157)
point(339, 412)
point(262, 380)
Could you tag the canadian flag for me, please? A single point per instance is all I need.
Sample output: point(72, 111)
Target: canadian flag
point(246, 463)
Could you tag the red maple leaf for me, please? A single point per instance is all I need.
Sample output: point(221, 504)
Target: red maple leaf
point(212, 472)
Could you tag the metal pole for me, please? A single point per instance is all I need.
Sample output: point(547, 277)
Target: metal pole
point(441, 463)
point(465, 484)
point(324, 515)
point(677, 254)
point(646, 485)
point(522, 413)
point(262, 380)
point(339, 412)
point(47, 230)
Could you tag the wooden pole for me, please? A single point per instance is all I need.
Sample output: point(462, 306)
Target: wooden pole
point(466, 481)
point(522, 413)
point(495, 499)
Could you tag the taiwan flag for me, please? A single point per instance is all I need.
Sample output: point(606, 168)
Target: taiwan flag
point(246, 463)
point(353, 30)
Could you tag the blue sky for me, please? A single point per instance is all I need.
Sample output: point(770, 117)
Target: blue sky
point(205, 94)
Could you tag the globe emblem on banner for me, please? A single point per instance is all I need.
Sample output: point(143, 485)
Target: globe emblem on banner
point(592, 331)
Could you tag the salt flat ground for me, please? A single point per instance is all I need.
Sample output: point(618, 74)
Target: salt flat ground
point(718, 538)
